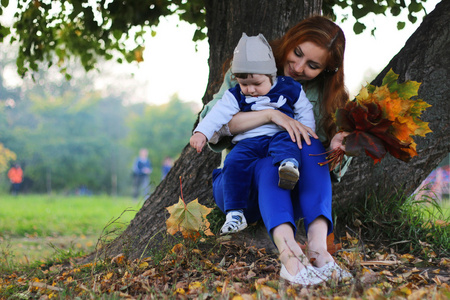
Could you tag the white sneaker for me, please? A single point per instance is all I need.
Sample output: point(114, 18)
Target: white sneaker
point(234, 222)
point(289, 174)
point(333, 271)
point(308, 276)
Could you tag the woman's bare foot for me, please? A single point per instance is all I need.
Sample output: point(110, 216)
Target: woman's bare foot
point(291, 255)
point(317, 252)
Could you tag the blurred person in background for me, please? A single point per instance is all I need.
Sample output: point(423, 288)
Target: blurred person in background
point(15, 175)
point(166, 166)
point(142, 168)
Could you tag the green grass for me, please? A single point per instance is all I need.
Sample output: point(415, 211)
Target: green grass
point(416, 225)
point(42, 215)
point(38, 227)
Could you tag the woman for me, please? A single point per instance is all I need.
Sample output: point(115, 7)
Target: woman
point(312, 53)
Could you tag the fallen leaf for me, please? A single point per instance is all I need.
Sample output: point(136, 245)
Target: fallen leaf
point(188, 219)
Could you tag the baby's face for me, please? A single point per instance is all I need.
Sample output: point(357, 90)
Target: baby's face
point(255, 85)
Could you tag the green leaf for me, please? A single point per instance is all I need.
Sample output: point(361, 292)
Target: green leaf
point(358, 27)
point(395, 10)
point(412, 18)
point(414, 6)
point(390, 77)
point(400, 25)
point(5, 3)
point(4, 31)
point(117, 34)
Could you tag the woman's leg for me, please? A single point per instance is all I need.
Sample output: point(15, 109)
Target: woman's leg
point(278, 215)
point(315, 195)
point(317, 242)
point(311, 200)
point(291, 255)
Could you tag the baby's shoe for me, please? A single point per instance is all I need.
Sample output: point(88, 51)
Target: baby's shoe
point(235, 222)
point(288, 173)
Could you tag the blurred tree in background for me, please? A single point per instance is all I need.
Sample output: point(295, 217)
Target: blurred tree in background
point(67, 137)
point(163, 129)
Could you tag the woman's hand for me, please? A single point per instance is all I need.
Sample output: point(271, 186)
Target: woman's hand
point(296, 130)
point(338, 139)
point(244, 121)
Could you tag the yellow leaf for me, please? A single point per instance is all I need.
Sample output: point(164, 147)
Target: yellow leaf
point(363, 95)
point(195, 285)
point(267, 291)
point(178, 248)
point(138, 54)
point(373, 292)
point(422, 129)
point(408, 256)
point(417, 106)
point(188, 219)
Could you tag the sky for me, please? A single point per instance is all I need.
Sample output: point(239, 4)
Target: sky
point(174, 64)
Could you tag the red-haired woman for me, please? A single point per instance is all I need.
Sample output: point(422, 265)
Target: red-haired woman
point(311, 52)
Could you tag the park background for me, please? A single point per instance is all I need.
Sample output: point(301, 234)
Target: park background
point(82, 135)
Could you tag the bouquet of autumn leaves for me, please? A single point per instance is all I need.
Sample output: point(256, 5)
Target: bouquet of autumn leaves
point(381, 120)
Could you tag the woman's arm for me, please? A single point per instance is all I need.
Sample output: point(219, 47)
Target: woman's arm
point(245, 121)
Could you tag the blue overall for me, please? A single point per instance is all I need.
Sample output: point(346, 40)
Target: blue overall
point(240, 163)
point(310, 199)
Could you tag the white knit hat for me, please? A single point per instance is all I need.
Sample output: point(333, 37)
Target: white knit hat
point(253, 55)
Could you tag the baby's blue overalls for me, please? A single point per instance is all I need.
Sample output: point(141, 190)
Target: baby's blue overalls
point(239, 164)
point(310, 199)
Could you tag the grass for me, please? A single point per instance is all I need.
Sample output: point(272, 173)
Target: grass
point(202, 269)
point(409, 224)
point(34, 227)
point(208, 269)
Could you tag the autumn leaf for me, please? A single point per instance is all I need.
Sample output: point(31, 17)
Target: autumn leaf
point(381, 120)
point(138, 54)
point(188, 219)
point(406, 90)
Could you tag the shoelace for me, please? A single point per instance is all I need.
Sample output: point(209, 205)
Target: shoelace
point(234, 222)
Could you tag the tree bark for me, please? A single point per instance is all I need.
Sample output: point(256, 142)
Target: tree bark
point(425, 58)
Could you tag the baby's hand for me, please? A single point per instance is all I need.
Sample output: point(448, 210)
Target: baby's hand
point(197, 141)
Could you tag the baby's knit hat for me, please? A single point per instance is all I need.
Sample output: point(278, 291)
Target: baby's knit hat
point(253, 54)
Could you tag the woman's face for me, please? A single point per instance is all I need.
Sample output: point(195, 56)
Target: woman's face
point(305, 62)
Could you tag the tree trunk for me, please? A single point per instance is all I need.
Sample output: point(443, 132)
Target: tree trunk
point(425, 58)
